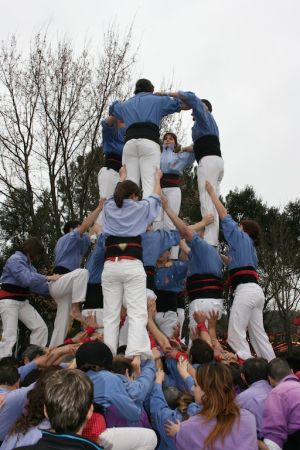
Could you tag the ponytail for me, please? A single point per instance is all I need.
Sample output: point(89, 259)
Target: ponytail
point(252, 228)
point(124, 190)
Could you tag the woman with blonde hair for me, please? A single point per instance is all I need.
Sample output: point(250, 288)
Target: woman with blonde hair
point(221, 424)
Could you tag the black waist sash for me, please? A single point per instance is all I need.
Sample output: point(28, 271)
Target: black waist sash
point(166, 301)
point(94, 296)
point(61, 270)
point(124, 246)
point(242, 275)
point(143, 130)
point(14, 292)
point(204, 286)
point(113, 161)
point(181, 300)
point(207, 146)
point(170, 180)
point(150, 272)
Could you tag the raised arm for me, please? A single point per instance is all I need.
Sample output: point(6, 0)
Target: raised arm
point(91, 218)
point(199, 226)
point(179, 224)
point(222, 211)
point(157, 177)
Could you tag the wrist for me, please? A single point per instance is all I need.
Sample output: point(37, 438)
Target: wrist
point(202, 327)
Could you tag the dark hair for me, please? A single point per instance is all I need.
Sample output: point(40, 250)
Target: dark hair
point(124, 190)
point(32, 351)
point(70, 225)
point(9, 374)
point(173, 136)
point(207, 103)
point(255, 369)
point(252, 228)
point(278, 368)
point(143, 85)
point(33, 248)
point(68, 398)
point(10, 361)
point(201, 352)
point(171, 394)
point(33, 414)
point(31, 377)
point(120, 364)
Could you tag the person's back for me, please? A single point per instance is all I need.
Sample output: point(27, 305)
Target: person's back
point(281, 417)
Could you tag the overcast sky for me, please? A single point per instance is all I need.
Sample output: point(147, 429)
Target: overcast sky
point(242, 55)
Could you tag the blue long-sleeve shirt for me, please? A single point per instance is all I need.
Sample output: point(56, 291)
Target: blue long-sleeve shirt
point(19, 271)
point(70, 248)
point(161, 414)
point(145, 107)
point(204, 124)
point(203, 258)
point(157, 242)
point(171, 162)
point(242, 252)
point(113, 138)
point(110, 390)
point(170, 278)
point(95, 261)
point(132, 219)
point(142, 385)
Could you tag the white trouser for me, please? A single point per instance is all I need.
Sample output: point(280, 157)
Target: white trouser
point(205, 305)
point(98, 316)
point(173, 195)
point(107, 182)
point(142, 157)
point(126, 278)
point(210, 168)
point(128, 439)
point(123, 335)
point(181, 317)
point(167, 322)
point(11, 311)
point(247, 312)
point(69, 288)
point(272, 445)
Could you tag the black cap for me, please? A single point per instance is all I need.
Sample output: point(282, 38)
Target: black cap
point(94, 353)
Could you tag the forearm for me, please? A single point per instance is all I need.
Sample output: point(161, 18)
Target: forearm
point(196, 227)
point(159, 337)
point(179, 224)
point(157, 187)
point(188, 149)
point(89, 221)
point(222, 211)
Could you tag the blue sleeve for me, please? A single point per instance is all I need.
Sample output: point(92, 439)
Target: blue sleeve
point(170, 105)
point(115, 110)
point(151, 205)
point(160, 411)
point(189, 384)
point(26, 369)
point(139, 388)
point(168, 238)
point(85, 243)
point(186, 159)
point(198, 108)
point(231, 231)
point(25, 277)
point(180, 270)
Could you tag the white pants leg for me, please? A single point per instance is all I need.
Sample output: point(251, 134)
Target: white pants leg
point(107, 182)
point(128, 439)
point(99, 317)
point(181, 317)
point(210, 168)
point(123, 335)
point(11, 311)
point(167, 322)
point(130, 157)
point(206, 305)
point(174, 198)
point(126, 278)
point(247, 309)
point(69, 288)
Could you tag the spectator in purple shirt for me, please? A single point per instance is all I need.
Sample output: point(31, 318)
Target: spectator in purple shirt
point(281, 418)
point(221, 424)
point(255, 374)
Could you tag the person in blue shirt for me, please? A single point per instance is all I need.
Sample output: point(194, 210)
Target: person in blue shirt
point(142, 115)
point(19, 279)
point(248, 302)
point(172, 165)
point(206, 147)
point(113, 140)
point(125, 219)
point(70, 290)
